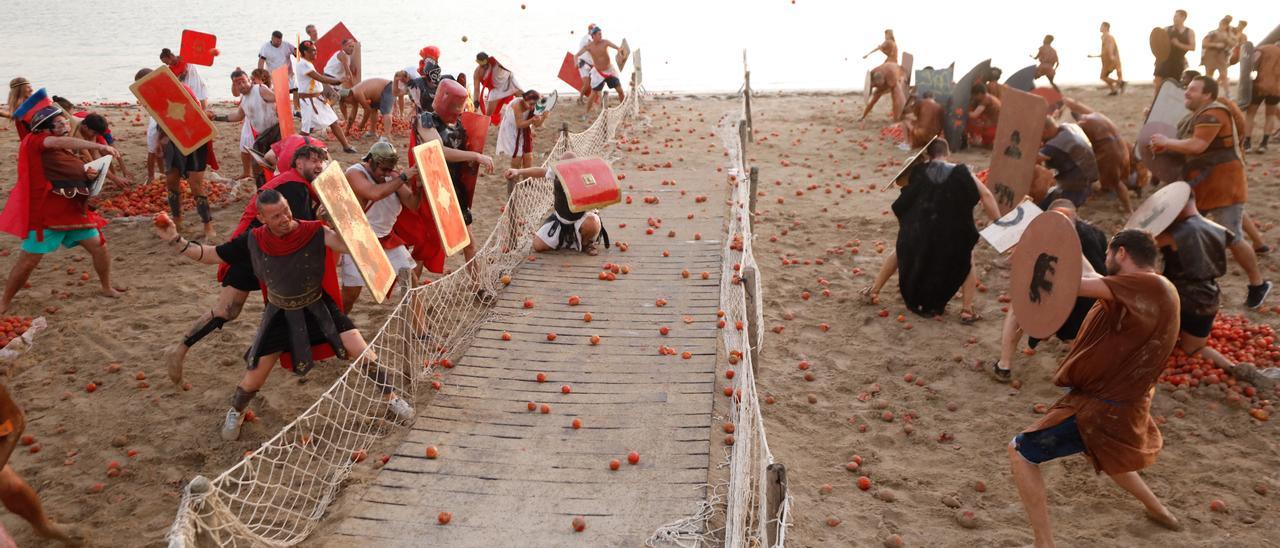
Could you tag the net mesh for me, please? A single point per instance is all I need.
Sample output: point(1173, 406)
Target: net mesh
point(277, 494)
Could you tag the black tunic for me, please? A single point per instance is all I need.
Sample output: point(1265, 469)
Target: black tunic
point(936, 234)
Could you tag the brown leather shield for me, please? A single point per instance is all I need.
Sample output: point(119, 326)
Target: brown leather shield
point(1160, 45)
point(1013, 154)
point(1046, 274)
point(347, 218)
point(1159, 211)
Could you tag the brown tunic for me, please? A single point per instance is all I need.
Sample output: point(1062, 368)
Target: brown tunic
point(1112, 370)
point(1224, 184)
point(1111, 151)
point(1267, 84)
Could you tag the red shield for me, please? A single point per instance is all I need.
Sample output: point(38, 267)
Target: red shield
point(445, 209)
point(197, 47)
point(1046, 274)
point(476, 127)
point(330, 43)
point(284, 107)
point(589, 183)
point(569, 72)
point(176, 112)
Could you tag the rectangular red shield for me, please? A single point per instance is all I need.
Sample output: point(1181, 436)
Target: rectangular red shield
point(284, 107)
point(330, 43)
point(446, 212)
point(476, 127)
point(1013, 155)
point(589, 183)
point(569, 72)
point(176, 112)
point(349, 221)
point(197, 47)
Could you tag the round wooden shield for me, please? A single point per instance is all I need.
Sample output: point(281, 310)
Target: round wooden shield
point(1046, 274)
point(1165, 166)
point(1160, 43)
point(900, 178)
point(1159, 211)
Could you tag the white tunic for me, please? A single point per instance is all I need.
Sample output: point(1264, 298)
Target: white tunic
point(316, 113)
point(382, 216)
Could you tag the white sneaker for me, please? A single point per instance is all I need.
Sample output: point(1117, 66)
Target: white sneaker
point(231, 426)
point(401, 409)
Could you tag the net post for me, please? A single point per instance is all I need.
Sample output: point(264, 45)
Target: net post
point(748, 279)
point(755, 183)
point(775, 494)
point(743, 131)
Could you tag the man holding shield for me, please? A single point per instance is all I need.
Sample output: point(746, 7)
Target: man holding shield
point(383, 192)
point(303, 319)
point(564, 228)
point(602, 71)
point(48, 206)
point(1208, 138)
point(1111, 372)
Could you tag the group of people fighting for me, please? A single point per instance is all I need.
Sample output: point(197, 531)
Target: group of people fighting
point(1141, 294)
point(282, 244)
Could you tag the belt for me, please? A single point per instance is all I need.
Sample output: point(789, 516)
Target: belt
point(294, 302)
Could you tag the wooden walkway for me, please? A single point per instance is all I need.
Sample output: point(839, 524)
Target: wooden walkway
point(512, 477)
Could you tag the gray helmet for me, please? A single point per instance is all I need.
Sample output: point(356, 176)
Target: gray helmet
point(382, 154)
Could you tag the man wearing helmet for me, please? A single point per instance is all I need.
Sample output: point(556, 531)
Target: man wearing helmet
point(48, 206)
point(443, 124)
point(383, 192)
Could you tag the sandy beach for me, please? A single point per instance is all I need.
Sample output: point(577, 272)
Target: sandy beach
point(820, 221)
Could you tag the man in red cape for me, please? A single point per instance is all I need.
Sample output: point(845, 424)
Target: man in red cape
point(48, 207)
point(416, 226)
point(294, 261)
point(238, 280)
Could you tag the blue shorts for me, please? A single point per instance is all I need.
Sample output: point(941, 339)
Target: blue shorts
point(55, 238)
point(1054, 442)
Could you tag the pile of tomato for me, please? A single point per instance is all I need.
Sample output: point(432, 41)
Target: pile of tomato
point(1240, 341)
point(149, 198)
point(12, 327)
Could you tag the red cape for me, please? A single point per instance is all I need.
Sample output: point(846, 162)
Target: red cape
point(290, 243)
point(417, 227)
point(251, 208)
point(25, 209)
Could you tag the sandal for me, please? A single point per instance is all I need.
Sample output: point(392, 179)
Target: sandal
point(1002, 374)
point(1262, 249)
point(590, 249)
point(968, 317)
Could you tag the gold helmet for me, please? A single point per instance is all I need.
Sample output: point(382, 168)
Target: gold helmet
point(382, 154)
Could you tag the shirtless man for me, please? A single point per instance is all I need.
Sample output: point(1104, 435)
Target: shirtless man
point(1048, 58)
point(889, 47)
point(925, 120)
point(1266, 91)
point(983, 117)
point(603, 72)
point(886, 78)
point(1106, 416)
point(1110, 56)
point(1216, 53)
point(374, 93)
point(17, 496)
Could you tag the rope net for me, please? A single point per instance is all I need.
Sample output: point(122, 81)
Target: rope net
point(747, 516)
point(277, 494)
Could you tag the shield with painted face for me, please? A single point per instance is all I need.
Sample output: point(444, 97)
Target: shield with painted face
point(1046, 274)
point(198, 48)
point(1017, 144)
point(347, 218)
point(589, 183)
point(446, 212)
point(174, 109)
point(1160, 210)
point(569, 72)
